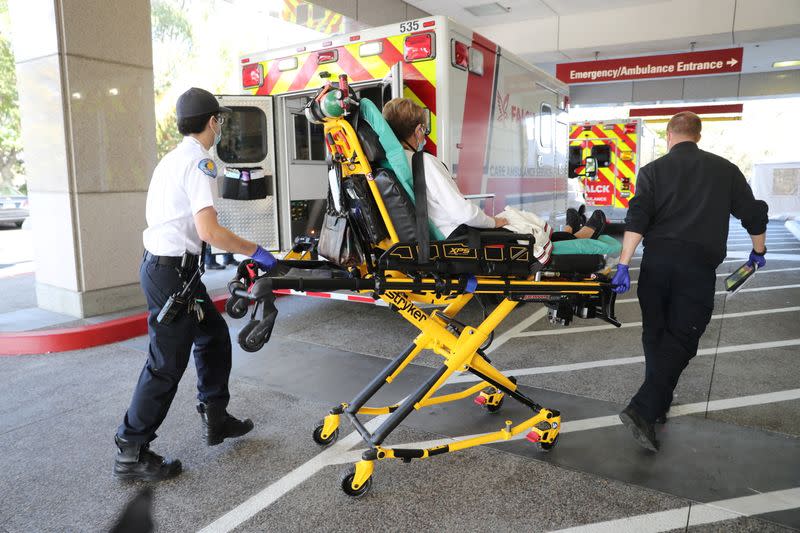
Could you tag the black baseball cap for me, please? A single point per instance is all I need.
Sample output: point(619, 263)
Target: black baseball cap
point(196, 102)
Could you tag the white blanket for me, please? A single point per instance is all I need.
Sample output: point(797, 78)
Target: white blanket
point(527, 222)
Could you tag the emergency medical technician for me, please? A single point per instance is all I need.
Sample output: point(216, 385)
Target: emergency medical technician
point(682, 210)
point(180, 216)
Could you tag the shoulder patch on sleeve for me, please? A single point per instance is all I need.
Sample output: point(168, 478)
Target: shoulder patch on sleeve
point(208, 167)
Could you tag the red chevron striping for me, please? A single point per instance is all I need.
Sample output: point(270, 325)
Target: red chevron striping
point(576, 133)
point(351, 66)
point(600, 133)
point(424, 91)
point(305, 73)
point(617, 192)
point(270, 80)
point(631, 165)
point(624, 136)
point(391, 55)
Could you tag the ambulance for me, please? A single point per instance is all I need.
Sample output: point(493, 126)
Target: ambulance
point(498, 123)
point(617, 148)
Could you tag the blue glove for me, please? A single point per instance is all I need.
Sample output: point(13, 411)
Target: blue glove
point(266, 261)
point(757, 259)
point(622, 279)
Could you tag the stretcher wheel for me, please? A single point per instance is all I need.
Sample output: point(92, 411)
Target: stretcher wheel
point(346, 482)
point(547, 446)
point(495, 408)
point(317, 435)
point(252, 345)
point(236, 307)
point(488, 395)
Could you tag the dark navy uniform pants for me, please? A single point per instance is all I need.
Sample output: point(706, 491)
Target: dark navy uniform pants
point(676, 296)
point(168, 354)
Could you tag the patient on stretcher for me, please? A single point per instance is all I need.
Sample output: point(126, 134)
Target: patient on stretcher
point(449, 211)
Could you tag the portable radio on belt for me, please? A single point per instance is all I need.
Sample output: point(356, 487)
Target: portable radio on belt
point(180, 300)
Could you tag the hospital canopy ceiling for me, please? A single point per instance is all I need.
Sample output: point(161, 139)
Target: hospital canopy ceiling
point(575, 29)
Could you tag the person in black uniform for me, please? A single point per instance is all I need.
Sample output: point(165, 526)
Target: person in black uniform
point(180, 217)
point(682, 210)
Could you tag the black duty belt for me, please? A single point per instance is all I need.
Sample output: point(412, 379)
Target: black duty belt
point(172, 261)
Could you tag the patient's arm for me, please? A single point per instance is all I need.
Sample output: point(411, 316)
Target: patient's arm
point(446, 202)
point(499, 222)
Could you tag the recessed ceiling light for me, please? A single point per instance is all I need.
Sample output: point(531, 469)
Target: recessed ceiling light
point(790, 63)
point(486, 10)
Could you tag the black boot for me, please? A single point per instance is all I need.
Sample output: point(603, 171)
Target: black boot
point(218, 425)
point(641, 429)
point(573, 220)
point(138, 463)
point(597, 222)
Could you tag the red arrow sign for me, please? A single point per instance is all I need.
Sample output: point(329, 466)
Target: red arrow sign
point(662, 66)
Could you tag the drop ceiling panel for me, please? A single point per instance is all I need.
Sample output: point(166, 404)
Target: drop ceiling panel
point(570, 7)
point(456, 9)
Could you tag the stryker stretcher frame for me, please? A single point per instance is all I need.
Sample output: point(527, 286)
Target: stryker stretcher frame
point(459, 345)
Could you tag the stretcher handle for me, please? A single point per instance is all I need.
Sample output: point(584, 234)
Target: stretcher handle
point(266, 284)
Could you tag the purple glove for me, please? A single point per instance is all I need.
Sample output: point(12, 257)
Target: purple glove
point(266, 261)
point(757, 259)
point(622, 279)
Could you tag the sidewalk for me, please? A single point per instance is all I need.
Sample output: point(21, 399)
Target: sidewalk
point(18, 310)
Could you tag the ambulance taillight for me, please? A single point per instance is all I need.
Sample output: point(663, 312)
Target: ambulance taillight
point(252, 75)
point(419, 46)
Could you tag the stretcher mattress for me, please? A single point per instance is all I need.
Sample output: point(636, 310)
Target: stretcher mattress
point(603, 245)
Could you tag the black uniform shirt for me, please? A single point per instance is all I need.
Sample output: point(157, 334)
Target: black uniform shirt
point(684, 200)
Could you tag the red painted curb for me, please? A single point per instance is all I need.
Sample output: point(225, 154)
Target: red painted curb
point(66, 339)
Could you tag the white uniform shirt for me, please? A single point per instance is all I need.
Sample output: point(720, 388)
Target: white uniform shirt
point(181, 186)
point(447, 207)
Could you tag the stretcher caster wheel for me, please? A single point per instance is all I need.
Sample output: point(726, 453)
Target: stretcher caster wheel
point(547, 446)
point(248, 343)
point(236, 307)
point(346, 482)
point(491, 399)
point(495, 408)
point(317, 435)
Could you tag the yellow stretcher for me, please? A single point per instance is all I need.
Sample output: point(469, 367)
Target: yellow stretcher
point(460, 346)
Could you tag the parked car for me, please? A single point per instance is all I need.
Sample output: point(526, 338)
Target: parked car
point(13, 206)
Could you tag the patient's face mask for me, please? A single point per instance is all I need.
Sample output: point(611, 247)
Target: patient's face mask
point(420, 133)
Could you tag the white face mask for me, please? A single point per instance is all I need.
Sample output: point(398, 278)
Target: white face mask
point(217, 134)
point(421, 144)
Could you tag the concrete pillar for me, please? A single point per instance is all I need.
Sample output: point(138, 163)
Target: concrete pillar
point(85, 80)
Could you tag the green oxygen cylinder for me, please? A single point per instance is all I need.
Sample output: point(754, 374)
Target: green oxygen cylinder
point(330, 104)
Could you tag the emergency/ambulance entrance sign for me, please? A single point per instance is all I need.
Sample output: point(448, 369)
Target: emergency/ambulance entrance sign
point(725, 61)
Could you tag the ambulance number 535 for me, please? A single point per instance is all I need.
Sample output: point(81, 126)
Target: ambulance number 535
point(412, 25)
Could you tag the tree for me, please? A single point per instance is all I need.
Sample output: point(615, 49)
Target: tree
point(172, 39)
point(11, 165)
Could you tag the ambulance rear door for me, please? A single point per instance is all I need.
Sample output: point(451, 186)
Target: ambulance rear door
point(246, 202)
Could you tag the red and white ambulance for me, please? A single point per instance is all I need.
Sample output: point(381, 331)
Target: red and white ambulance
point(619, 148)
point(497, 122)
